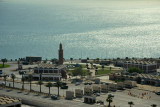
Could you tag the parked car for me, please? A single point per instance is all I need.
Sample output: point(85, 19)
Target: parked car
point(86, 83)
point(25, 63)
point(64, 87)
point(54, 84)
point(54, 97)
point(158, 93)
point(90, 83)
point(63, 83)
point(111, 95)
point(100, 101)
point(97, 94)
point(77, 83)
point(2, 84)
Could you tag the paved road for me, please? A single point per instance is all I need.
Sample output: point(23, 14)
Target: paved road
point(13, 67)
point(43, 101)
point(121, 97)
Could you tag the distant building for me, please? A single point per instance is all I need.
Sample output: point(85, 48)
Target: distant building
point(88, 91)
point(48, 72)
point(104, 88)
point(33, 58)
point(69, 95)
point(79, 93)
point(90, 99)
point(60, 54)
point(105, 62)
point(145, 66)
point(148, 79)
point(96, 88)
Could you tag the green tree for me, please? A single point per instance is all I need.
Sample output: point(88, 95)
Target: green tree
point(97, 60)
point(13, 78)
point(78, 71)
point(58, 84)
point(54, 61)
point(134, 69)
point(90, 73)
point(23, 79)
point(71, 59)
point(30, 78)
point(130, 103)
point(69, 75)
point(49, 85)
point(153, 105)
point(102, 67)
point(5, 78)
point(4, 61)
point(87, 65)
point(109, 100)
point(40, 83)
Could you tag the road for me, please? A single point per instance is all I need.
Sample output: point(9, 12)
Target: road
point(121, 97)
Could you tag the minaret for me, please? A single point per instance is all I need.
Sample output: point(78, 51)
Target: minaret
point(60, 54)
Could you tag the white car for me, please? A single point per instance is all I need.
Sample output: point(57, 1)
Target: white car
point(77, 83)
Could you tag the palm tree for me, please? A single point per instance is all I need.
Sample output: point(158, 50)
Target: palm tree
point(103, 67)
point(153, 105)
point(30, 78)
point(109, 99)
point(40, 83)
point(58, 84)
point(69, 75)
point(13, 77)
point(130, 103)
point(96, 71)
point(23, 79)
point(5, 78)
point(90, 73)
point(87, 65)
point(71, 59)
point(4, 60)
point(49, 85)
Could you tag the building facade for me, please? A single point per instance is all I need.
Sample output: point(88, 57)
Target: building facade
point(145, 66)
point(33, 58)
point(48, 72)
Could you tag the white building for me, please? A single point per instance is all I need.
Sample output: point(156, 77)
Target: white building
point(48, 72)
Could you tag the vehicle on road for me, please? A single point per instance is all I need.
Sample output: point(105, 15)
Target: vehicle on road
point(110, 95)
point(158, 93)
point(100, 101)
point(2, 84)
point(54, 97)
point(63, 83)
point(97, 94)
point(64, 87)
point(86, 83)
point(90, 83)
point(77, 83)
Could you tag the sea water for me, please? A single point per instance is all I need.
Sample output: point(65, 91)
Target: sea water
point(86, 28)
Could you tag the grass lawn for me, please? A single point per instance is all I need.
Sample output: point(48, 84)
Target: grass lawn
point(85, 71)
point(101, 72)
point(5, 65)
